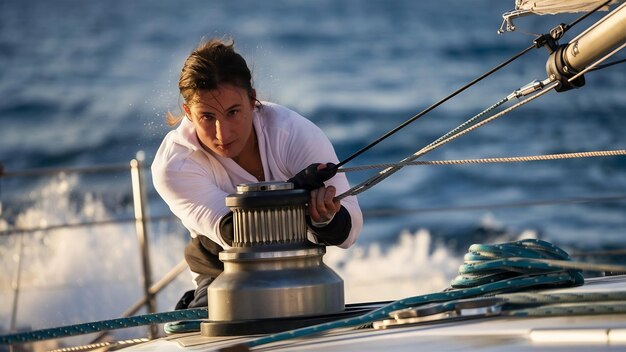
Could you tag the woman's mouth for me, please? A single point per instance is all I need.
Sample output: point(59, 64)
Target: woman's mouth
point(225, 146)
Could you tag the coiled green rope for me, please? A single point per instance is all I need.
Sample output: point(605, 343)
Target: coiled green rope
point(490, 263)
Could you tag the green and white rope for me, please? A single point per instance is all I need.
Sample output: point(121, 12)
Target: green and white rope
point(113, 324)
point(489, 263)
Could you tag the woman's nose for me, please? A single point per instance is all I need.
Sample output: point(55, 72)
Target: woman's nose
point(222, 130)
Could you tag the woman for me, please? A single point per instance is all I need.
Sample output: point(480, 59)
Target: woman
point(227, 137)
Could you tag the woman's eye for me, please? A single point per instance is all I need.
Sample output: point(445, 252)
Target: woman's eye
point(207, 117)
point(233, 112)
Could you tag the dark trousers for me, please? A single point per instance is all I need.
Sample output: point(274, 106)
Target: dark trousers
point(202, 257)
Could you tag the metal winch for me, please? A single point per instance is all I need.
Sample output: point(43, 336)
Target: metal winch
point(272, 270)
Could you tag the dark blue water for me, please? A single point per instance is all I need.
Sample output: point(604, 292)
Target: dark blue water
point(87, 83)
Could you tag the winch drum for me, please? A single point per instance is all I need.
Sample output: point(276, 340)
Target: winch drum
point(272, 270)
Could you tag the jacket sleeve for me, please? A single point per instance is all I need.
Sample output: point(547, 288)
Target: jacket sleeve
point(192, 195)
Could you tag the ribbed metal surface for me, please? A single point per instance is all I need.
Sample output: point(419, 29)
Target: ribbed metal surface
point(272, 270)
point(269, 226)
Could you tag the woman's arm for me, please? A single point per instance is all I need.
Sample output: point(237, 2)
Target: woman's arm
point(193, 196)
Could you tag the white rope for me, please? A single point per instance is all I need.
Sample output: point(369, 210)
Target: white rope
point(516, 159)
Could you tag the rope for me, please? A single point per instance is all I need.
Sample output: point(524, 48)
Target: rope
point(513, 273)
point(489, 263)
point(113, 324)
point(372, 181)
point(105, 346)
point(516, 159)
point(383, 312)
point(468, 122)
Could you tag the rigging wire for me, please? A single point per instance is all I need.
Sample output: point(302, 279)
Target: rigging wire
point(579, 19)
point(599, 67)
point(152, 318)
point(367, 184)
point(430, 108)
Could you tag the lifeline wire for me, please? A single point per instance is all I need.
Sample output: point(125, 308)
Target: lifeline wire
point(553, 278)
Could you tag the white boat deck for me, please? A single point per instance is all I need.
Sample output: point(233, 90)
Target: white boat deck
point(499, 333)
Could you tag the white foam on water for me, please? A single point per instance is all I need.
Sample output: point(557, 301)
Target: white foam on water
point(76, 275)
point(409, 267)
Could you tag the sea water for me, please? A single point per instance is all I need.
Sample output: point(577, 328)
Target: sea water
point(89, 83)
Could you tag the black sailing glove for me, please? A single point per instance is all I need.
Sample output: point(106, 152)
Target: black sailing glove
point(337, 231)
point(311, 178)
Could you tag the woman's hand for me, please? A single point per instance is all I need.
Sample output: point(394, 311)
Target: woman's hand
point(323, 205)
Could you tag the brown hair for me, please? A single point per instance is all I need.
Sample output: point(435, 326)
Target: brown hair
point(211, 64)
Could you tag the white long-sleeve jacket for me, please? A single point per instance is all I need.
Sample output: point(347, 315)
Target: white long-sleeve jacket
point(194, 182)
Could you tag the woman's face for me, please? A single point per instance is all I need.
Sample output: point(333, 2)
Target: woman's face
point(223, 120)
